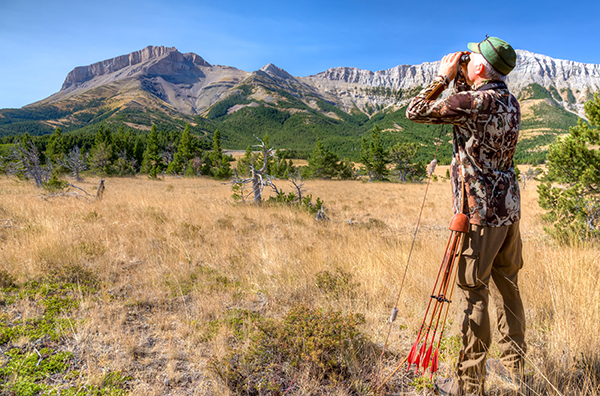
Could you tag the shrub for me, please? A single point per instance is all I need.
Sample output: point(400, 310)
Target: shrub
point(267, 356)
point(335, 284)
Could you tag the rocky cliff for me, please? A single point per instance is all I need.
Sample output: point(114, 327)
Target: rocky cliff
point(82, 74)
point(569, 83)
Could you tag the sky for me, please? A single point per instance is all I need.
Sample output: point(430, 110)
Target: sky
point(41, 41)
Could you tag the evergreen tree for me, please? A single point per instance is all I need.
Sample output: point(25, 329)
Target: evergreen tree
point(186, 147)
point(152, 163)
point(280, 167)
point(138, 151)
point(244, 163)
point(402, 155)
point(103, 152)
point(101, 157)
point(56, 147)
point(322, 163)
point(185, 152)
point(572, 192)
point(346, 170)
point(99, 138)
point(219, 163)
point(374, 157)
point(121, 143)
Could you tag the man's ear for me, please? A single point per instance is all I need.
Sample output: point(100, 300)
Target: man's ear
point(480, 69)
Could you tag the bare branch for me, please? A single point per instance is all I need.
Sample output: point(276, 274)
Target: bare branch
point(298, 183)
point(27, 164)
point(75, 162)
point(79, 188)
point(87, 196)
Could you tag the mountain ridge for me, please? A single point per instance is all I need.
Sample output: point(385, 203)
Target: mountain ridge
point(159, 85)
point(162, 70)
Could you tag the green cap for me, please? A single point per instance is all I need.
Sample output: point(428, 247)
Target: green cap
point(497, 52)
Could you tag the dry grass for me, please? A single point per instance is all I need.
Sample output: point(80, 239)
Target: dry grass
point(171, 257)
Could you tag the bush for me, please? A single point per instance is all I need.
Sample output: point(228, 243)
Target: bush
point(268, 356)
point(290, 199)
point(54, 184)
point(336, 284)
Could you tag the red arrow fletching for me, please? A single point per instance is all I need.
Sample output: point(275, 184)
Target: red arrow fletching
point(427, 357)
point(411, 355)
point(421, 353)
point(434, 362)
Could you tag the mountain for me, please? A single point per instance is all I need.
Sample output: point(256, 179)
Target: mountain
point(185, 82)
point(160, 85)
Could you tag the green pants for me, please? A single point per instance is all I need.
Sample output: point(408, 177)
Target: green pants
point(490, 253)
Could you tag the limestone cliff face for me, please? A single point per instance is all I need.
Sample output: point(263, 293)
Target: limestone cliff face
point(546, 71)
point(82, 74)
point(356, 87)
point(574, 82)
point(399, 77)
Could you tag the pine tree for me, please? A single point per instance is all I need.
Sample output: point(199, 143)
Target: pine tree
point(56, 147)
point(402, 155)
point(152, 163)
point(244, 163)
point(280, 167)
point(219, 163)
point(138, 152)
point(99, 138)
point(100, 160)
point(572, 194)
point(374, 157)
point(185, 152)
point(103, 154)
point(322, 163)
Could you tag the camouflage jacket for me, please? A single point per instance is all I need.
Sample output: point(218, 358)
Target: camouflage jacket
point(486, 128)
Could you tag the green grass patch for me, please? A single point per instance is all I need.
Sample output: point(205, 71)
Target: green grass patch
point(55, 301)
point(24, 372)
point(38, 365)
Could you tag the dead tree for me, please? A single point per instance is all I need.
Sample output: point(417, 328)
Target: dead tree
point(259, 179)
point(26, 163)
point(75, 162)
point(79, 193)
point(100, 191)
point(298, 183)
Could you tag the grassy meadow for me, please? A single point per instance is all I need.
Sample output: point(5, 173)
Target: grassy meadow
point(170, 288)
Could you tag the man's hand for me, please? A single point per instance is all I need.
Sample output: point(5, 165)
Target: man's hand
point(449, 65)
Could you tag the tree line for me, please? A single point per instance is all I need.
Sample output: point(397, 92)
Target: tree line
point(122, 153)
point(181, 153)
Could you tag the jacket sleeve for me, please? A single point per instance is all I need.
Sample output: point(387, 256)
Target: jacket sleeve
point(454, 109)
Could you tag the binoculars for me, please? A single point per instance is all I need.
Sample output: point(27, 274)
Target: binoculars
point(464, 58)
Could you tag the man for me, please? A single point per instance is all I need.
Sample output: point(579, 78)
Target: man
point(486, 119)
